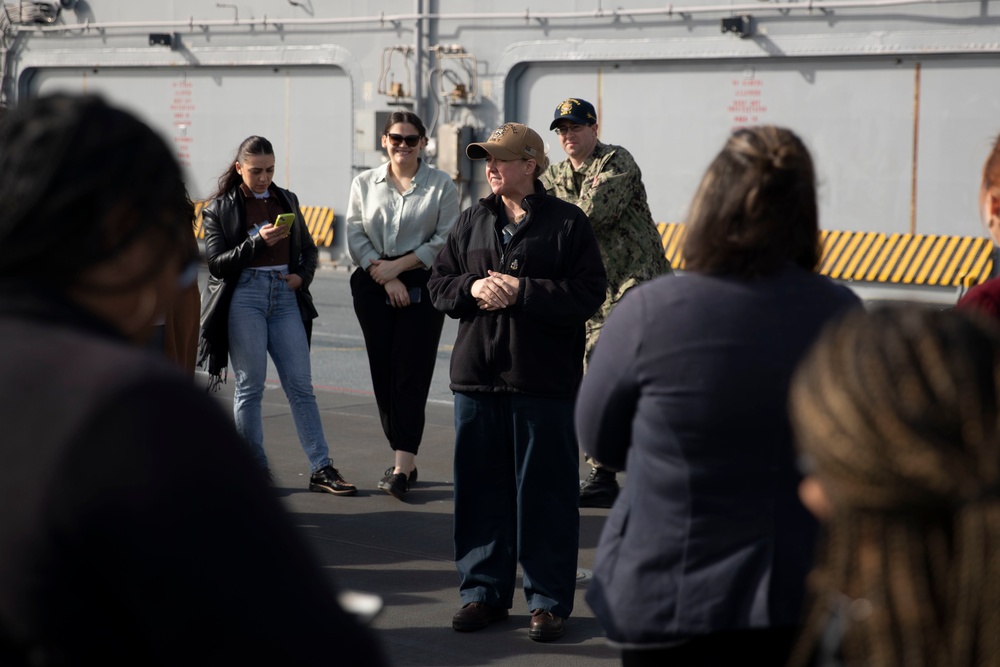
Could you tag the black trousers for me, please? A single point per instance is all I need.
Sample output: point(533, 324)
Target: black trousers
point(402, 348)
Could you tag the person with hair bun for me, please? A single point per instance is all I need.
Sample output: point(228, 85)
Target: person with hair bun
point(398, 218)
point(703, 558)
point(897, 417)
point(986, 296)
point(258, 303)
point(136, 528)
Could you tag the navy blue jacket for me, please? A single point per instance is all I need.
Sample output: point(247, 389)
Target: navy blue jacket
point(687, 389)
point(536, 345)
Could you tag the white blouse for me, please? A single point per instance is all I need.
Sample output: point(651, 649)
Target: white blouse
point(382, 223)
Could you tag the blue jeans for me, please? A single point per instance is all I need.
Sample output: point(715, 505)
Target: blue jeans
point(517, 493)
point(264, 318)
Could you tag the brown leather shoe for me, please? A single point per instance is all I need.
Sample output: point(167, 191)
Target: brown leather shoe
point(476, 616)
point(545, 626)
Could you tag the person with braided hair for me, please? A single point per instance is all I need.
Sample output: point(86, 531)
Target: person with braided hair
point(704, 555)
point(897, 415)
point(986, 296)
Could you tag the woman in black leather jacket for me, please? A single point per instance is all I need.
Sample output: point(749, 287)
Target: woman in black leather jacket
point(258, 303)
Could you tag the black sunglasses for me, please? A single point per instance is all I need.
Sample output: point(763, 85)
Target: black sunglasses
point(398, 139)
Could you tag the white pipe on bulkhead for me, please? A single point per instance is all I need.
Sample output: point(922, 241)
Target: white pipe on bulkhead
point(527, 15)
point(418, 43)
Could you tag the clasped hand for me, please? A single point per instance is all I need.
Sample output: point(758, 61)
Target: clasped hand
point(383, 271)
point(495, 291)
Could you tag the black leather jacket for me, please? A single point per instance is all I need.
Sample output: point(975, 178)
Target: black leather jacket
point(230, 250)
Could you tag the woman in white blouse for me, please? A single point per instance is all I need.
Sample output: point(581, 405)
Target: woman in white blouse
point(398, 218)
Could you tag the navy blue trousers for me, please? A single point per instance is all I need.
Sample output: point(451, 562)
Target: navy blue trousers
point(517, 493)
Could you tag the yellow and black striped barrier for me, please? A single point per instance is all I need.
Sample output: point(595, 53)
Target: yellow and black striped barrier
point(902, 259)
point(672, 236)
point(319, 220)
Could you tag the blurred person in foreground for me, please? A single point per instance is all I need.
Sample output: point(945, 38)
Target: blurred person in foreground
point(897, 416)
point(703, 558)
point(986, 296)
point(136, 528)
point(522, 272)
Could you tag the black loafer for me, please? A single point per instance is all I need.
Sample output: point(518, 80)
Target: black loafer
point(394, 484)
point(476, 616)
point(599, 489)
point(397, 484)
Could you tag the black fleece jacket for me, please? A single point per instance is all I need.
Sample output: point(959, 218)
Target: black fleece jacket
point(536, 345)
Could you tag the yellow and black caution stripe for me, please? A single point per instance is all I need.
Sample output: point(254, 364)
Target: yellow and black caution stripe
point(907, 259)
point(672, 236)
point(903, 259)
point(199, 224)
point(848, 255)
point(319, 220)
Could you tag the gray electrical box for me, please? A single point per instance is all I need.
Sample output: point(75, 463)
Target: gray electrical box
point(368, 128)
point(452, 138)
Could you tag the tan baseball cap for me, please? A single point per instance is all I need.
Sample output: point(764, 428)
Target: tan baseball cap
point(511, 141)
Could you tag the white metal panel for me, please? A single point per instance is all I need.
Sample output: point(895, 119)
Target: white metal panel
point(305, 112)
point(856, 115)
point(959, 122)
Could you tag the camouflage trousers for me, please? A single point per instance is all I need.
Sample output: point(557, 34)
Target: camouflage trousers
point(594, 326)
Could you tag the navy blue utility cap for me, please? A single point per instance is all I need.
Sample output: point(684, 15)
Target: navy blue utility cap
point(576, 111)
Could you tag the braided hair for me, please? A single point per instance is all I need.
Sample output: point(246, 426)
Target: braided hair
point(898, 413)
point(81, 180)
point(755, 209)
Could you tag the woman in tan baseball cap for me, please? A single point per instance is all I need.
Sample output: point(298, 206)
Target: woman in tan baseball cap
point(523, 272)
point(515, 157)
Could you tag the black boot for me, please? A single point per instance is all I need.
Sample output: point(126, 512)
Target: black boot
point(599, 489)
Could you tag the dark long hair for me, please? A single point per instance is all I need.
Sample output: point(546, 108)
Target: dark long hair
point(404, 117)
point(898, 413)
point(80, 180)
point(755, 210)
point(230, 178)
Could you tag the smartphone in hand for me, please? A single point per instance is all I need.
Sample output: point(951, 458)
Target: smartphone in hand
point(414, 293)
point(284, 220)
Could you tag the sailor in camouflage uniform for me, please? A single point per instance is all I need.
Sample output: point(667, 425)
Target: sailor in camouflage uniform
point(606, 183)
